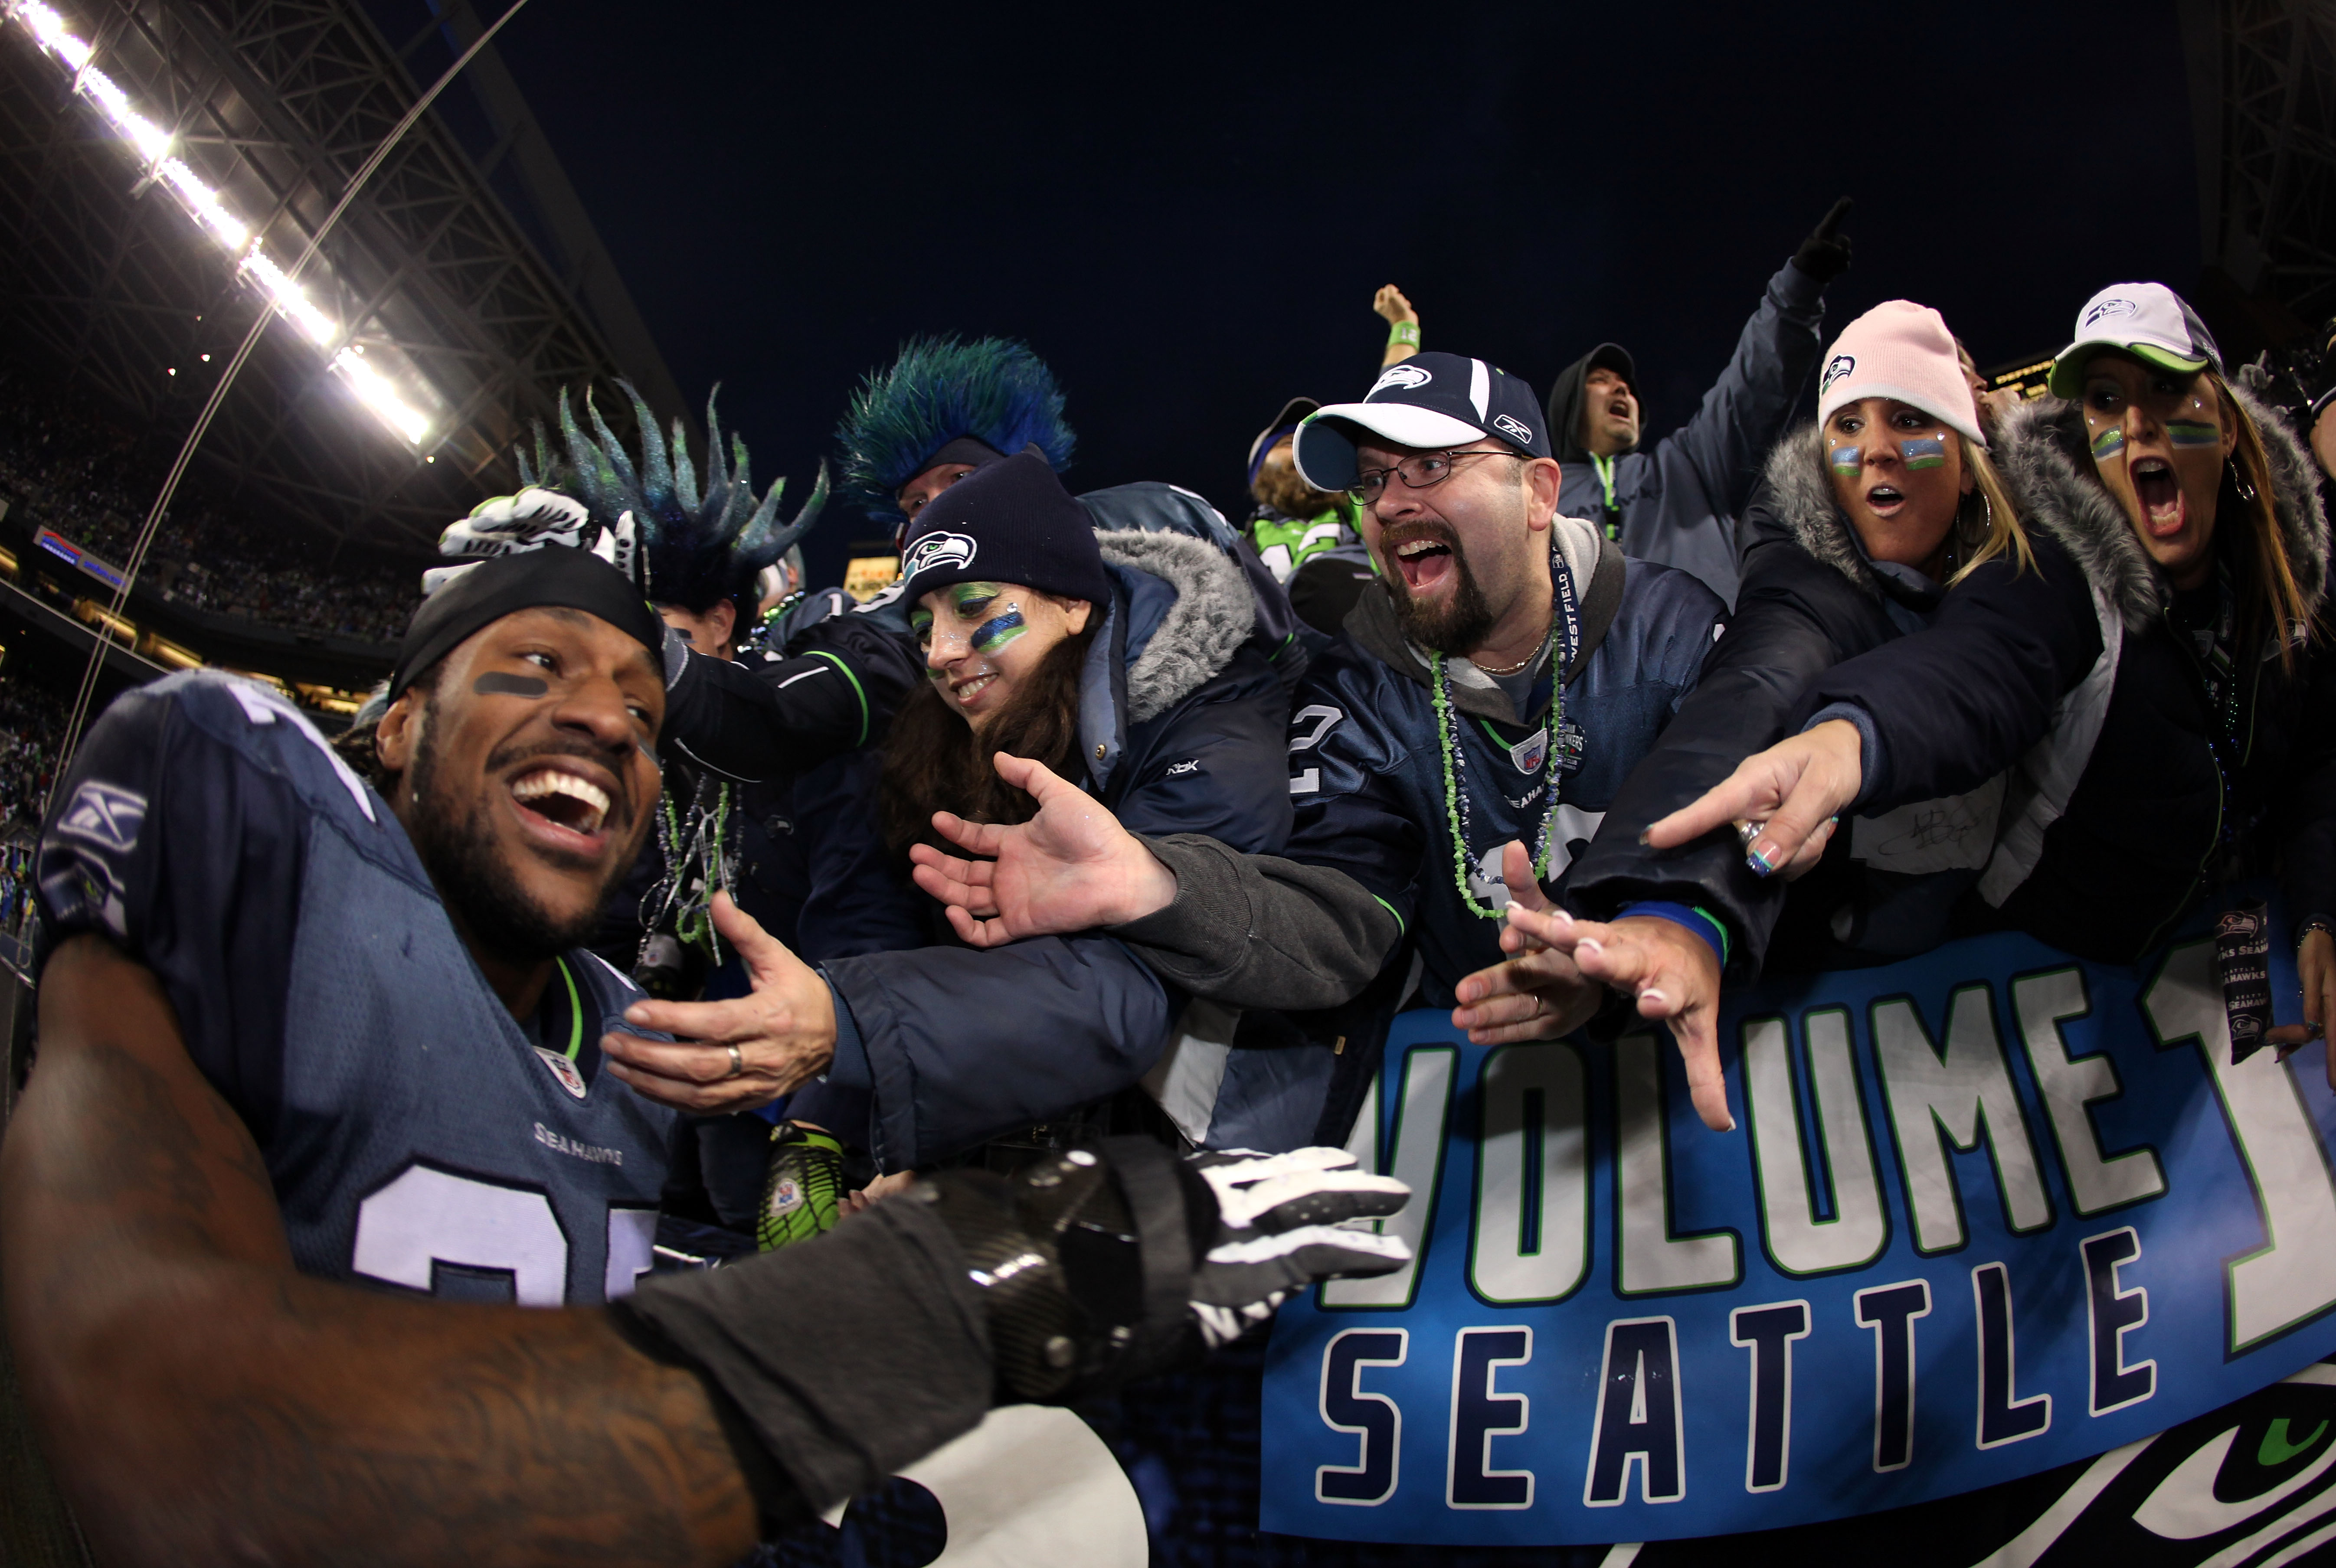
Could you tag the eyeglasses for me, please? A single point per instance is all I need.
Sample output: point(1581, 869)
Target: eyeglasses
point(1421, 472)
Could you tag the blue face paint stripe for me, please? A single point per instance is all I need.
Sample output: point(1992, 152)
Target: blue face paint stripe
point(1924, 452)
point(2192, 432)
point(996, 630)
point(2108, 445)
point(1845, 460)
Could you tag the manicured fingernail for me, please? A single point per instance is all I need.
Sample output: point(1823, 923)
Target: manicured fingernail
point(1642, 836)
point(1731, 1126)
point(1589, 945)
point(1654, 996)
point(1759, 861)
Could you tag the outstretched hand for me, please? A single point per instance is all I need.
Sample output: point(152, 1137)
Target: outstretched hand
point(783, 1031)
point(1538, 995)
point(1783, 801)
point(1070, 868)
point(1673, 974)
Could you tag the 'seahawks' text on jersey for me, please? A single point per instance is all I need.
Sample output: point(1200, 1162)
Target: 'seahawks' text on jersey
point(417, 1136)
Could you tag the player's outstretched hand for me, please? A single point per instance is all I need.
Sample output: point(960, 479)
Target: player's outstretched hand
point(1115, 1260)
point(735, 1055)
point(1070, 868)
point(1783, 801)
point(1673, 975)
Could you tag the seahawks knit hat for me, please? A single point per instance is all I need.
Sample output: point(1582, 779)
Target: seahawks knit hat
point(1902, 350)
point(1012, 521)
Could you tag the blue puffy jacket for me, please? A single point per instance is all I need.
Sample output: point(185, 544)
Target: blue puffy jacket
point(1181, 721)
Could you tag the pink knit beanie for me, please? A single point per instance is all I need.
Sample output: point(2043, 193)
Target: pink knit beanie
point(1903, 350)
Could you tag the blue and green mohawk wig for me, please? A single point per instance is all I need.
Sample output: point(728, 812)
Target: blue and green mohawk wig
point(992, 389)
point(694, 549)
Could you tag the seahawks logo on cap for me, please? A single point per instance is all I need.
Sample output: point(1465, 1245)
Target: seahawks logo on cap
point(1513, 429)
point(1402, 377)
point(937, 549)
point(2103, 309)
point(1839, 365)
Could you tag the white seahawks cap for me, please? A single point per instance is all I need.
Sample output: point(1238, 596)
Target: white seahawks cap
point(1430, 401)
point(2147, 320)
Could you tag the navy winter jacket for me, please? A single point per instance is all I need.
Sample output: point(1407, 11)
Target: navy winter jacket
point(2160, 798)
point(1951, 684)
point(1181, 725)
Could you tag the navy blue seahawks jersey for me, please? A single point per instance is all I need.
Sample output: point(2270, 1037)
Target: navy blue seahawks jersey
point(417, 1137)
point(1367, 769)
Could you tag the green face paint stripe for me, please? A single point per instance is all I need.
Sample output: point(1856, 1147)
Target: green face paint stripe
point(1399, 927)
point(575, 1011)
point(856, 691)
point(2107, 445)
point(2193, 432)
point(1845, 460)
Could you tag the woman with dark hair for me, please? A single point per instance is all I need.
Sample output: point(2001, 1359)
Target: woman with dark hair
point(1122, 659)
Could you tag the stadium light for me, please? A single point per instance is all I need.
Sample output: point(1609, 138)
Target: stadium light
point(370, 387)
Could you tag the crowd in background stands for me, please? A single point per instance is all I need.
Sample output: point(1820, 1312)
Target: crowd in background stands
point(32, 724)
point(73, 469)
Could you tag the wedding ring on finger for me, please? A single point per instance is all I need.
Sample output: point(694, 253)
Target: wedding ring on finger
point(737, 1063)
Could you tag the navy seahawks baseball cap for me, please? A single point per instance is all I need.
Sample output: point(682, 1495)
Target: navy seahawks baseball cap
point(1431, 401)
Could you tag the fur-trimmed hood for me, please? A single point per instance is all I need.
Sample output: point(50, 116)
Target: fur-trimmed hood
point(2042, 452)
point(1800, 491)
point(1197, 634)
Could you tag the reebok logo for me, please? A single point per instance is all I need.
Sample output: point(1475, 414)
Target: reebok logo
point(104, 815)
point(1513, 429)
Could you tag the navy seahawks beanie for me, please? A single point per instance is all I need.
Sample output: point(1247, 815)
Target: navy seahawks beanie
point(1010, 522)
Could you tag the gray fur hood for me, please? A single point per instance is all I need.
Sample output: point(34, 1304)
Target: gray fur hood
point(1211, 616)
point(2040, 449)
point(1800, 491)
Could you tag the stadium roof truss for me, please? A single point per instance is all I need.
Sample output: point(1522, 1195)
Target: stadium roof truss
point(2262, 81)
point(428, 278)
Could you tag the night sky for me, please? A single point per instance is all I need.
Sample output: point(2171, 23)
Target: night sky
point(1186, 213)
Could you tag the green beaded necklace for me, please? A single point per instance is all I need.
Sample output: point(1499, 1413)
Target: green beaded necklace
point(1456, 764)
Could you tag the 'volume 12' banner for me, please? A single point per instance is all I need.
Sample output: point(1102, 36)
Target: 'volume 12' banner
point(1985, 1213)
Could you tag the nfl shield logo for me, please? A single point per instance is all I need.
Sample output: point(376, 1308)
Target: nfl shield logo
point(564, 1070)
point(786, 1195)
point(1530, 753)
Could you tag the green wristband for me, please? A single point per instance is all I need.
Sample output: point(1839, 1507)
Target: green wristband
point(1405, 332)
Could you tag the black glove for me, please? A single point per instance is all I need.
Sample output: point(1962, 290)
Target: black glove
point(1825, 255)
point(1101, 1263)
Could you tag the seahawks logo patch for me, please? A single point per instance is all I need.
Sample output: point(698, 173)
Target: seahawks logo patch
point(936, 550)
point(1839, 365)
point(564, 1070)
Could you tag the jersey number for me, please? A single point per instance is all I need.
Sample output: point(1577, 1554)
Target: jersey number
point(1322, 716)
point(428, 1217)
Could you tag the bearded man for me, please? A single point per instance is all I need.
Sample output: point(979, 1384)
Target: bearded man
point(1491, 694)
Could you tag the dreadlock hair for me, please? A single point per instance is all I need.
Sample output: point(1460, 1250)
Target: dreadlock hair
point(696, 548)
point(933, 760)
point(993, 389)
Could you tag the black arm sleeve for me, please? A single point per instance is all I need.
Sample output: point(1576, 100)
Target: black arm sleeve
point(838, 1364)
point(1261, 931)
point(1958, 703)
point(776, 719)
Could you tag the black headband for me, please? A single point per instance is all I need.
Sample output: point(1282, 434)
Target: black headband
point(556, 576)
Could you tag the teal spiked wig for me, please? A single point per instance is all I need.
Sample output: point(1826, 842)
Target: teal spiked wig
point(993, 390)
point(694, 548)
